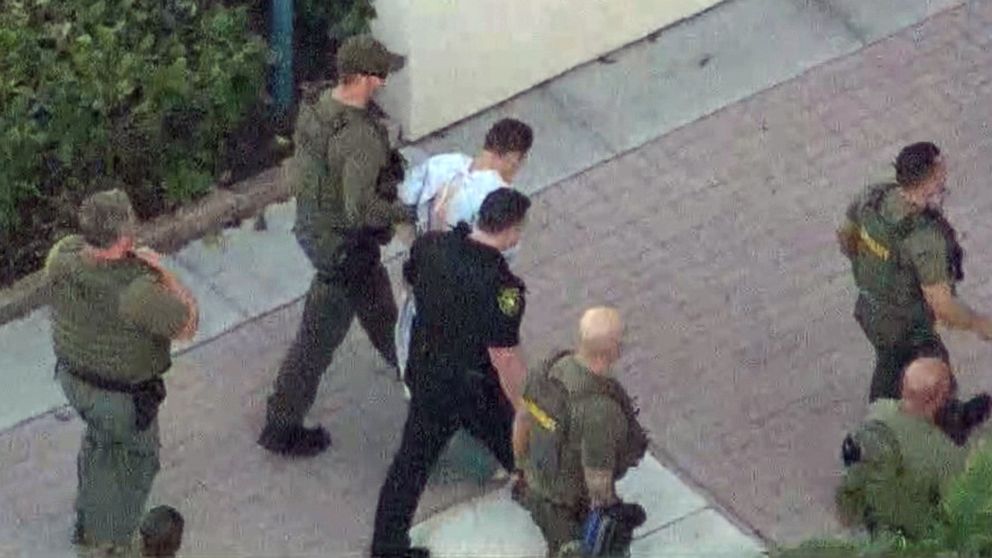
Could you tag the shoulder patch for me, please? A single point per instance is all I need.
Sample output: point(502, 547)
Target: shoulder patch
point(509, 301)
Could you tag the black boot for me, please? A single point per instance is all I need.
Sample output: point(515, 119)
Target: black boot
point(78, 534)
point(401, 552)
point(295, 441)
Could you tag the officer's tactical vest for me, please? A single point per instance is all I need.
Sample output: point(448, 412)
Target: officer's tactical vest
point(549, 404)
point(895, 476)
point(87, 328)
point(882, 269)
point(317, 125)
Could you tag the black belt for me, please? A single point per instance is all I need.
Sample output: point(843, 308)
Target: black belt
point(146, 395)
point(106, 384)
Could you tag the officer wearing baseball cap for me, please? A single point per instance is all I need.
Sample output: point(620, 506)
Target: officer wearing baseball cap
point(344, 176)
point(365, 55)
point(115, 311)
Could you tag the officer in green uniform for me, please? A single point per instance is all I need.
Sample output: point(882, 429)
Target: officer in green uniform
point(114, 312)
point(899, 461)
point(344, 177)
point(901, 249)
point(574, 449)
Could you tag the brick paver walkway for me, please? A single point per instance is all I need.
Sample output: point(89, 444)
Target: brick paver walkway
point(716, 241)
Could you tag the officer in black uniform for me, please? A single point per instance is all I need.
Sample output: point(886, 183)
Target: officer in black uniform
point(464, 369)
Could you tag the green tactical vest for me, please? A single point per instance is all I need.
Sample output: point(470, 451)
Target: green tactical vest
point(551, 449)
point(905, 465)
point(885, 277)
point(87, 330)
point(315, 171)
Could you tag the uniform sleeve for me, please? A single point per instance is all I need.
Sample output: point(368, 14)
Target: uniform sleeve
point(601, 426)
point(927, 250)
point(506, 311)
point(364, 157)
point(876, 468)
point(152, 308)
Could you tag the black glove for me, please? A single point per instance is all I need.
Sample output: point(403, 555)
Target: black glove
point(609, 531)
point(390, 176)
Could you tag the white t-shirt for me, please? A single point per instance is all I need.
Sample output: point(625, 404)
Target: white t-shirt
point(446, 180)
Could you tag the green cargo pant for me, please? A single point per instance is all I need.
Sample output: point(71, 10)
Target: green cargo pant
point(116, 465)
point(359, 286)
point(560, 525)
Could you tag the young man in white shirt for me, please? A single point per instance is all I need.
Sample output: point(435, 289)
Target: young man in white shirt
point(449, 188)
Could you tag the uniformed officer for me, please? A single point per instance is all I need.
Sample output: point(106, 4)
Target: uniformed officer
point(898, 462)
point(575, 444)
point(901, 255)
point(114, 311)
point(447, 189)
point(465, 369)
point(344, 178)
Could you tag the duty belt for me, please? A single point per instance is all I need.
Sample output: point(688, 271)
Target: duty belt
point(146, 395)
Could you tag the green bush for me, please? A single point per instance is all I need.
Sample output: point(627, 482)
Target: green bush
point(321, 26)
point(137, 93)
point(962, 530)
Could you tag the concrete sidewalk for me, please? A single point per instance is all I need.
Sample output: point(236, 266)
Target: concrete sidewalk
point(715, 241)
point(582, 118)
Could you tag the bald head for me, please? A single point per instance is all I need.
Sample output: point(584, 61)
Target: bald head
point(600, 332)
point(926, 384)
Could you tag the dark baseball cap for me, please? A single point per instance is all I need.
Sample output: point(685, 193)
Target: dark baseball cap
point(362, 54)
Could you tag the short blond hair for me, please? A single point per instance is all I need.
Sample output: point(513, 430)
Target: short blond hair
point(106, 216)
point(599, 330)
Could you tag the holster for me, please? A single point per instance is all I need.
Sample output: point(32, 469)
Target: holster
point(146, 396)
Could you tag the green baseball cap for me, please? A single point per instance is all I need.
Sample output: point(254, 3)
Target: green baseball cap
point(362, 54)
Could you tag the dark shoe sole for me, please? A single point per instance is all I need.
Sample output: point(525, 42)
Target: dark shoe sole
point(296, 444)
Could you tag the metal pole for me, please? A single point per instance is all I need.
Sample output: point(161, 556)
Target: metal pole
point(282, 46)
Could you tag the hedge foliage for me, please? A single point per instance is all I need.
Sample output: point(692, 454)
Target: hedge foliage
point(137, 93)
point(962, 530)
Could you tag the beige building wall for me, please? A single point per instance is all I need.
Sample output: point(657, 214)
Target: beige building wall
point(466, 55)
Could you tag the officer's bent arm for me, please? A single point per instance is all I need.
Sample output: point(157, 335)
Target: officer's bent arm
point(363, 159)
point(521, 435)
point(951, 311)
point(847, 239)
point(512, 371)
point(150, 306)
point(602, 492)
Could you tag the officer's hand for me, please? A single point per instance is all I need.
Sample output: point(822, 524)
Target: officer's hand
point(518, 486)
point(984, 329)
point(406, 233)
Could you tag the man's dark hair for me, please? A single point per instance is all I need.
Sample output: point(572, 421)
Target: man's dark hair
point(162, 532)
point(509, 136)
point(502, 209)
point(915, 163)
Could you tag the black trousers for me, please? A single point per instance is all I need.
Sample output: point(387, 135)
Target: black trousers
point(479, 407)
point(954, 418)
point(891, 361)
